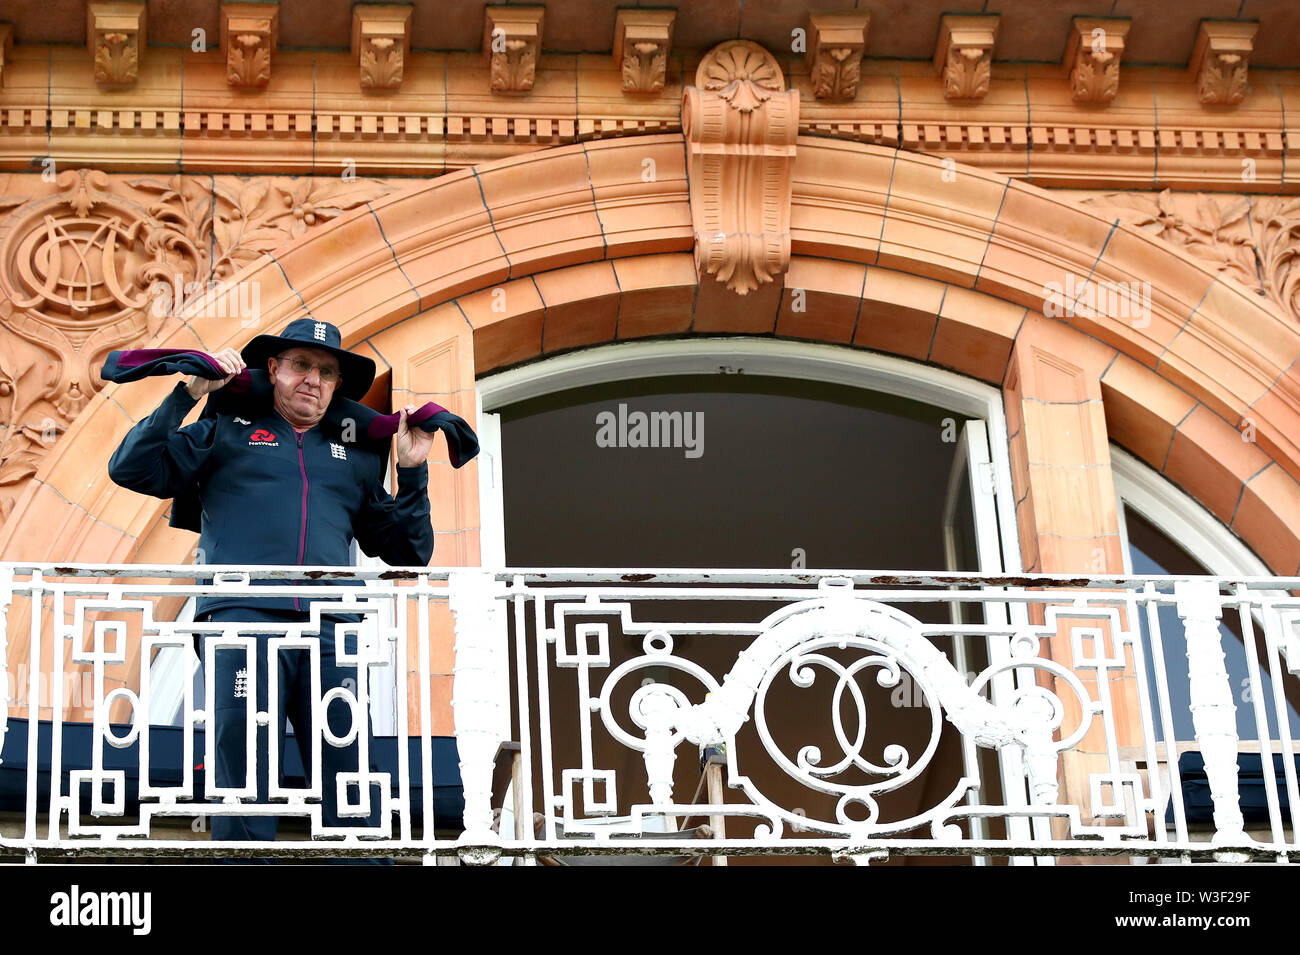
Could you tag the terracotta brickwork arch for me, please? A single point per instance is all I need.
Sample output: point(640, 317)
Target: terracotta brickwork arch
point(592, 243)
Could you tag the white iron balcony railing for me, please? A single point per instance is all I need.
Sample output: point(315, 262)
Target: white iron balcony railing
point(665, 715)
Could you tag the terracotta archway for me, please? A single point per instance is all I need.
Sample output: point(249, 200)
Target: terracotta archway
point(894, 251)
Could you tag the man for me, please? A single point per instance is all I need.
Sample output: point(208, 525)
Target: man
point(282, 485)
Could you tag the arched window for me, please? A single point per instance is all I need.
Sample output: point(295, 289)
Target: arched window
point(744, 453)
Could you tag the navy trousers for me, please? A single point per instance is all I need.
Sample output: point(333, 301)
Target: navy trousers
point(292, 671)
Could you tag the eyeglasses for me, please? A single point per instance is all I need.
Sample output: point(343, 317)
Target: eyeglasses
point(328, 373)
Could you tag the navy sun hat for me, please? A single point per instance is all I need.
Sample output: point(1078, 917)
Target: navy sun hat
point(358, 371)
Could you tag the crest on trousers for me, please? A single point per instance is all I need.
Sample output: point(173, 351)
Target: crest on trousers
point(241, 683)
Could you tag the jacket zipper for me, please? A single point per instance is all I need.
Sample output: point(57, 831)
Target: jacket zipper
point(302, 533)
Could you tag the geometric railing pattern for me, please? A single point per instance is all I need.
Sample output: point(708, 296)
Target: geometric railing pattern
point(676, 715)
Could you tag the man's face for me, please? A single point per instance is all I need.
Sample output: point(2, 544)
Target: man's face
point(302, 397)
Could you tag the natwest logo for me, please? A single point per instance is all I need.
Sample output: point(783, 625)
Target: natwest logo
point(260, 436)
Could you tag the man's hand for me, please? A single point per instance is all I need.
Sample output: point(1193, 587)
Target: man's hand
point(229, 361)
point(413, 444)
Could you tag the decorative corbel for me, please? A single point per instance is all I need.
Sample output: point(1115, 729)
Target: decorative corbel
point(1220, 58)
point(249, 33)
point(512, 44)
point(1092, 58)
point(381, 42)
point(642, 42)
point(835, 45)
point(740, 124)
point(115, 35)
point(964, 54)
point(6, 47)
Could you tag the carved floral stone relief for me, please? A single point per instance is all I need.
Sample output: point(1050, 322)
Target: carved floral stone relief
point(1220, 59)
point(1095, 77)
point(835, 73)
point(381, 64)
point(116, 59)
point(512, 41)
point(249, 35)
point(381, 42)
point(966, 74)
point(1252, 239)
point(84, 261)
point(836, 42)
point(642, 40)
point(645, 66)
point(964, 54)
point(1222, 79)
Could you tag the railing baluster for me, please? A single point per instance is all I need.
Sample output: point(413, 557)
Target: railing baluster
point(1273, 641)
point(523, 792)
point(477, 703)
point(34, 712)
point(427, 823)
point(1214, 715)
point(1258, 700)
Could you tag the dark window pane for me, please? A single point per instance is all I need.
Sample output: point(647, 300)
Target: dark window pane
point(851, 478)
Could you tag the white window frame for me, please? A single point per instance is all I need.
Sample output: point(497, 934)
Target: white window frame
point(491, 494)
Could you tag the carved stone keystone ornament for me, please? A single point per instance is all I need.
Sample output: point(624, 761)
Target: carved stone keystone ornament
point(740, 124)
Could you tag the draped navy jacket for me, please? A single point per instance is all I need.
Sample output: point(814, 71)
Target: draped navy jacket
point(270, 496)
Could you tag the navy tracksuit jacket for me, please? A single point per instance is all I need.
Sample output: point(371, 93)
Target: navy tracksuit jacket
point(271, 497)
